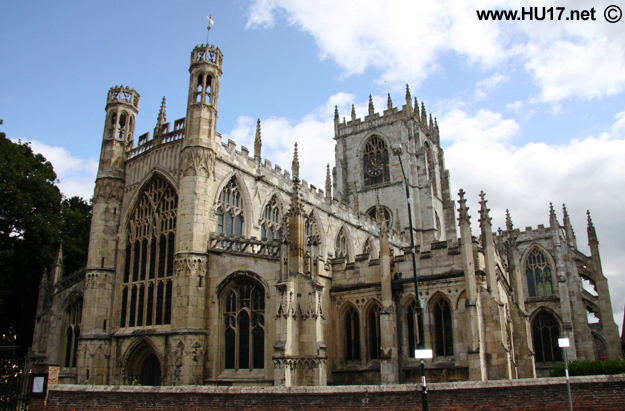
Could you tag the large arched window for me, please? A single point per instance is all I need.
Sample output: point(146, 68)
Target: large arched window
point(373, 332)
point(73, 315)
point(375, 161)
point(443, 329)
point(230, 210)
point(270, 220)
point(149, 265)
point(352, 334)
point(243, 305)
point(545, 333)
point(538, 272)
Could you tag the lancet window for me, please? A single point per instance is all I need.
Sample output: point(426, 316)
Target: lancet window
point(230, 210)
point(373, 332)
point(415, 335)
point(545, 333)
point(538, 272)
point(270, 221)
point(340, 247)
point(375, 161)
point(431, 168)
point(149, 261)
point(73, 316)
point(443, 329)
point(243, 305)
point(202, 93)
point(352, 334)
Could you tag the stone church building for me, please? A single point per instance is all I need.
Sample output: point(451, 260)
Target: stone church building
point(208, 265)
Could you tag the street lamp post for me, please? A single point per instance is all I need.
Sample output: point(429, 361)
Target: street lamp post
point(564, 344)
point(397, 151)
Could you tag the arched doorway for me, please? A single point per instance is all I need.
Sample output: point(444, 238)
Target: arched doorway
point(150, 371)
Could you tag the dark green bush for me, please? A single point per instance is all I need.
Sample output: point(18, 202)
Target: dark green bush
point(577, 368)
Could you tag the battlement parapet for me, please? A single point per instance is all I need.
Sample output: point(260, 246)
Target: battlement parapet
point(145, 144)
point(207, 53)
point(123, 94)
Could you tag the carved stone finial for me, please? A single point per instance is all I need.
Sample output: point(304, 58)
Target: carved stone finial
point(162, 118)
point(328, 182)
point(408, 97)
point(397, 222)
point(463, 215)
point(336, 113)
point(424, 117)
point(371, 108)
point(484, 216)
point(592, 233)
point(295, 165)
point(509, 225)
point(389, 102)
point(258, 142)
point(356, 201)
point(353, 113)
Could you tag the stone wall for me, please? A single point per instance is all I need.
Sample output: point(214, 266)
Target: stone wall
point(589, 393)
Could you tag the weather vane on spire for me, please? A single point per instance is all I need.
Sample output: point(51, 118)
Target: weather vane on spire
point(210, 23)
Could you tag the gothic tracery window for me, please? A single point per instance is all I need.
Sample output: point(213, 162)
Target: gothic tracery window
point(230, 210)
point(352, 334)
point(73, 316)
point(443, 329)
point(244, 325)
point(149, 265)
point(270, 220)
point(538, 272)
point(373, 213)
point(545, 334)
point(375, 161)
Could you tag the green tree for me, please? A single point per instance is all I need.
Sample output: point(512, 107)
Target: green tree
point(76, 214)
point(30, 227)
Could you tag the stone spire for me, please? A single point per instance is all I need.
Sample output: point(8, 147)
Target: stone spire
point(295, 165)
point(258, 143)
point(336, 113)
point(353, 113)
point(408, 97)
point(424, 117)
point(431, 122)
point(371, 108)
point(162, 118)
point(328, 183)
point(389, 102)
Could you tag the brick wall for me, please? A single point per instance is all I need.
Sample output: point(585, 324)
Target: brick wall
point(589, 393)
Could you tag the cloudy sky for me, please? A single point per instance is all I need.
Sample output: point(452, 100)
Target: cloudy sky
point(531, 112)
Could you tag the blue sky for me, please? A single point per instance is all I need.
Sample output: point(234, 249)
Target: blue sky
point(531, 112)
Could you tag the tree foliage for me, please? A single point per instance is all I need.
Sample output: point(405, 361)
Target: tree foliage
point(34, 220)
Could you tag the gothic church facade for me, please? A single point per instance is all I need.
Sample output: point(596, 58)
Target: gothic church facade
point(208, 265)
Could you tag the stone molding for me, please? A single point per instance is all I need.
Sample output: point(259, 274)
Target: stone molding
point(197, 161)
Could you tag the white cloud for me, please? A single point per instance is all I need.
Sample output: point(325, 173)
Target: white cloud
point(406, 41)
point(76, 176)
point(484, 87)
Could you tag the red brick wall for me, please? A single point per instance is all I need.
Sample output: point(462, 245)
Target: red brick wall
point(589, 393)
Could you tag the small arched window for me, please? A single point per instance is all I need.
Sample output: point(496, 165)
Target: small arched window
point(270, 220)
point(352, 334)
point(243, 306)
point(443, 329)
point(73, 316)
point(545, 333)
point(375, 161)
point(538, 273)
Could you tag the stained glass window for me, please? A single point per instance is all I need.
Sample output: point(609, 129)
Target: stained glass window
point(352, 334)
point(270, 221)
point(373, 326)
point(545, 333)
point(538, 272)
point(443, 329)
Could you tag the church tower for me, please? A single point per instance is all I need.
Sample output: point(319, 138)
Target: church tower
point(366, 167)
point(122, 106)
point(196, 181)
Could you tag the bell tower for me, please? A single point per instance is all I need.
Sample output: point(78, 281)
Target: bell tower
point(122, 106)
point(196, 185)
